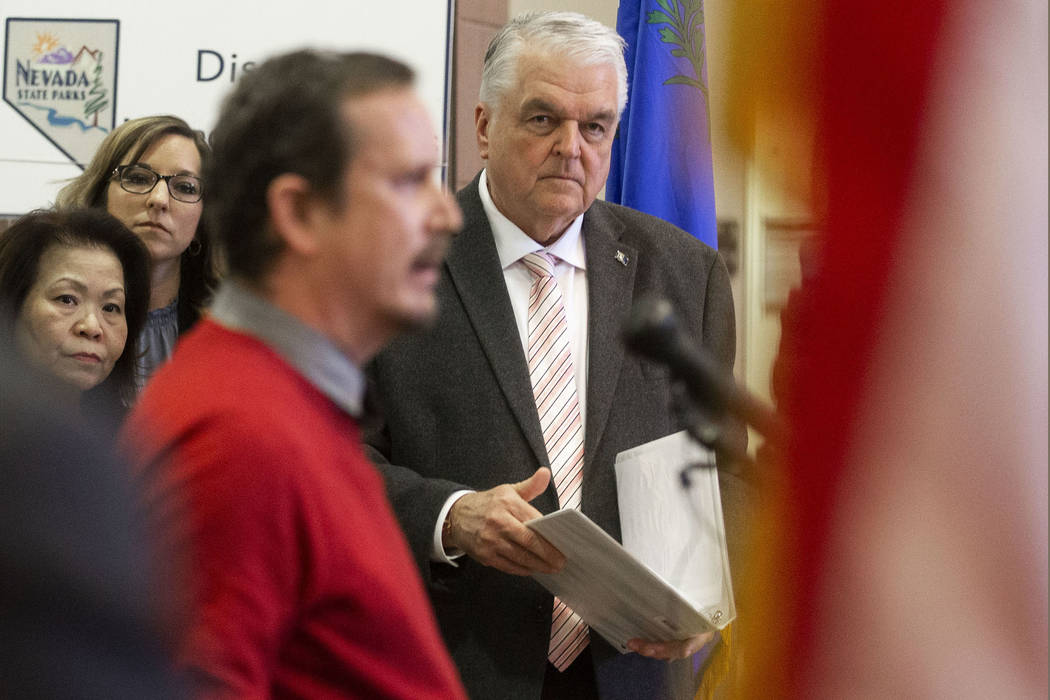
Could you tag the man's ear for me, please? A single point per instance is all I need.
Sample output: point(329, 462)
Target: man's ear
point(293, 212)
point(482, 120)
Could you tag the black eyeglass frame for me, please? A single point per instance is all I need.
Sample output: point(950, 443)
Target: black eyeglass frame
point(118, 175)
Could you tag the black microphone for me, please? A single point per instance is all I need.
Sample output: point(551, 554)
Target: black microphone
point(652, 331)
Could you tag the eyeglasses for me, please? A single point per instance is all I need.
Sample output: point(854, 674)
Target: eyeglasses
point(138, 179)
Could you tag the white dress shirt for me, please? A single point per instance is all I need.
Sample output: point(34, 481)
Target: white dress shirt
point(570, 269)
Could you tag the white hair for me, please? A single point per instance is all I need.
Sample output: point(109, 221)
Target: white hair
point(567, 34)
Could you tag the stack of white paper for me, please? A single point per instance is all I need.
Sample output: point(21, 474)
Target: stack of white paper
point(671, 579)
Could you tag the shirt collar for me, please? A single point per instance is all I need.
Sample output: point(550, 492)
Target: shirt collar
point(512, 244)
point(312, 354)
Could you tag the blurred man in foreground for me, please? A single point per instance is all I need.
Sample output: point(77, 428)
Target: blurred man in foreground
point(322, 191)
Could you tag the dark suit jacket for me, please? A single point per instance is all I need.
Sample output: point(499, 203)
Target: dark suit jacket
point(459, 413)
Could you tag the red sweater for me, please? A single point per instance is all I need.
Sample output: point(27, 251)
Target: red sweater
point(301, 582)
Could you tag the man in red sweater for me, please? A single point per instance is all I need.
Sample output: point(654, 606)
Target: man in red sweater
point(299, 583)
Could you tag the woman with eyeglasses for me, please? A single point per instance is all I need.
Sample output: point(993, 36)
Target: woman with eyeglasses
point(147, 173)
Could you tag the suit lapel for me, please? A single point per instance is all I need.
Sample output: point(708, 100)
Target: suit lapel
point(475, 271)
point(610, 287)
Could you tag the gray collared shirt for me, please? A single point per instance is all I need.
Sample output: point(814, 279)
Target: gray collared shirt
point(315, 357)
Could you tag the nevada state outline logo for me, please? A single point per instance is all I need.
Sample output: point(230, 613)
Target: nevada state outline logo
point(61, 76)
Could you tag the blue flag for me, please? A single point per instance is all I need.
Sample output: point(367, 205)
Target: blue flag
point(661, 159)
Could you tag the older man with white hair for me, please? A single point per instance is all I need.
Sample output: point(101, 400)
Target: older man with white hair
point(523, 371)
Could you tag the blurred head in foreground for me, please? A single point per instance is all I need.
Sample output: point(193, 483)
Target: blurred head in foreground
point(346, 206)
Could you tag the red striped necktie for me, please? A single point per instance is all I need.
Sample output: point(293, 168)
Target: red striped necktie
point(554, 387)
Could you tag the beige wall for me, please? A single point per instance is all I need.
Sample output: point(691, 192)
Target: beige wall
point(602, 10)
point(475, 24)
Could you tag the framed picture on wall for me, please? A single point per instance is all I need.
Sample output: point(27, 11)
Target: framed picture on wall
point(782, 269)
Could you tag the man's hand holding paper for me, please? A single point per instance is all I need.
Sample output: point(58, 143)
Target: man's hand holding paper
point(489, 527)
point(679, 649)
point(667, 588)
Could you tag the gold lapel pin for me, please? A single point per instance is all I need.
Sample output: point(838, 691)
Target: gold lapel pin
point(622, 258)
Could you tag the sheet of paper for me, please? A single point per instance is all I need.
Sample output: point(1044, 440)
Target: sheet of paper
point(670, 579)
point(671, 525)
point(618, 596)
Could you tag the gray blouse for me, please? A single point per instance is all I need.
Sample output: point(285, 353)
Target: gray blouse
point(157, 341)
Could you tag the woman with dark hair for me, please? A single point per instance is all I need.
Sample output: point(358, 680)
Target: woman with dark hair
point(147, 173)
point(74, 292)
